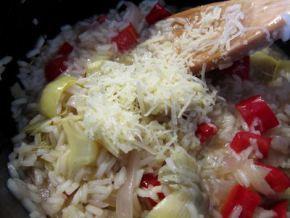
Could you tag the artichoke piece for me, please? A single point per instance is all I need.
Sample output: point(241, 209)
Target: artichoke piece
point(263, 66)
point(181, 204)
point(82, 151)
point(183, 172)
point(52, 93)
point(283, 65)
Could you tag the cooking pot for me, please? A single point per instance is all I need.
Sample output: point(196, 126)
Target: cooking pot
point(22, 22)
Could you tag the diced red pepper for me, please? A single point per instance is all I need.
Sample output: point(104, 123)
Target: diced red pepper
point(65, 49)
point(57, 66)
point(158, 12)
point(276, 178)
point(281, 209)
point(101, 19)
point(240, 68)
point(126, 39)
point(256, 111)
point(242, 140)
point(149, 179)
point(205, 131)
point(241, 196)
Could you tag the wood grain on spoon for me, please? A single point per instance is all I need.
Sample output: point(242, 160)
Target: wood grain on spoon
point(262, 17)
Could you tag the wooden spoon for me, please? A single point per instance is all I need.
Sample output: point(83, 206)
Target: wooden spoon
point(263, 18)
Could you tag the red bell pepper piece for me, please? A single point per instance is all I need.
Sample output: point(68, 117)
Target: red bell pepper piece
point(158, 12)
point(242, 140)
point(126, 39)
point(65, 49)
point(101, 19)
point(256, 111)
point(240, 68)
point(276, 178)
point(205, 131)
point(149, 179)
point(241, 196)
point(281, 209)
point(57, 66)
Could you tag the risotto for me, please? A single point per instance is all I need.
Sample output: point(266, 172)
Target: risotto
point(113, 122)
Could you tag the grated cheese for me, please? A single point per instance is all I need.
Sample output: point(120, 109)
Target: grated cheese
point(122, 104)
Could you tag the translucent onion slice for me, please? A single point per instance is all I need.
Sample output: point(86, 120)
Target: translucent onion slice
point(52, 93)
point(125, 195)
point(256, 176)
point(181, 204)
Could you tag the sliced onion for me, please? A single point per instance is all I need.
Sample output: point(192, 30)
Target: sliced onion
point(256, 175)
point(236, 211)
point(134, 16)
point(125, 195)
point(261, 212)
point(183, 204)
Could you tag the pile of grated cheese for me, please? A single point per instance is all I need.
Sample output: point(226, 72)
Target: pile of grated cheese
point(155, 100)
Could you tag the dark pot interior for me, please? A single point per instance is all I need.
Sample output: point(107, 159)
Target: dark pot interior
point(18, 35)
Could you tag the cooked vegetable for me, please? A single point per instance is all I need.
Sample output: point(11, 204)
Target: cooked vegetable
point(125, 195)
point(57, 65)
point(126, 38)
point(52, 93)
point(286, 194)
point(240, 68)
point(240, 196)
point(205, 131)
point(82, 151)
point(255, 177)
point(179, 169)
point(283, 65)
point(281, 209)
point(132, 14)
point(150, 180)
point(181, 204)
point(126, 59)
point(243, 140)
point(35, 127)
point(257, 114)
point(65, 49)
point(276, 178)
point(101, 18)
point(263, 65)
point(158, 12)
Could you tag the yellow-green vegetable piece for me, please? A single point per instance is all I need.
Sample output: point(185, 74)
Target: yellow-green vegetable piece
point(286, 194)
point(126, 59)
point(176, 205)
point(283, 65)
point(263, 66)
point(82, 151)
point(51, 95)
